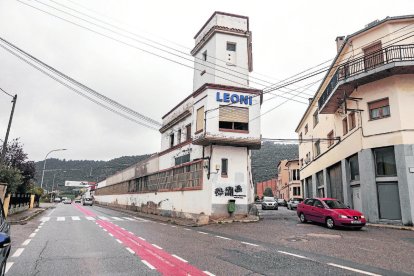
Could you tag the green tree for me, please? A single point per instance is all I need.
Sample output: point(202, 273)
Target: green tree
point(12, 177)
point(268, 192)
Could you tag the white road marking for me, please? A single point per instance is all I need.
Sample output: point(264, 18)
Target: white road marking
point(90, 218)
point(141, 238)
point(291, 254)
point(36, 230)
point(122, 228)
point(209, 273)
point(141, 219)
point(224, 238)
point(354, 269)
point(204, 233)
point(147, 264)
point(116, 218)
point(118, 241)
point(181, 259)
point(130, 250)
point(110, 234)
point(8, 266)
point(105, 230)
point(26, 242)
point(40, 226)
point(45, 219)
point(100, 226)
point(187, 229)
point(248, 243)
point(130, 232)
point(75, 218)
point(18, 252)
point(163, 223)
point(60, 218)
point(127, 218)
point(32, 235)
point(173, 226)
point(103, 218)
point(156, 246)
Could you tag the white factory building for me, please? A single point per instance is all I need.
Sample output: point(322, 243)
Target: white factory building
point(206, 139)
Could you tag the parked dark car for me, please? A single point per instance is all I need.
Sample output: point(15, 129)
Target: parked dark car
point(5, 241)
point(294, 202)
point(330, 212)
point(281, 202)
point(269, 203)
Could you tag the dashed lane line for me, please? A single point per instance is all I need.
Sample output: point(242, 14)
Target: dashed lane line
point(248, 243)
point(130, 250)
point(103, 218)
point(75, 218)
point(291, 254)
point(148, 264)
point(18, 252)
point(156, 246)
point(32, 235)
point(127, 218)
point(118, 241)
point(224, 238)
point(45, 219)
point(116, 218)
point(110, 234)
point(8, 266)
point(354, 269)
point(60, 219)
point(141, 238)
point(201, 232)
point(90, 218)
point(181, 259)
point(209, 273)
point(26, 242)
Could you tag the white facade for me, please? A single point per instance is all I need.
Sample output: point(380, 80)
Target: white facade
point(206, 140)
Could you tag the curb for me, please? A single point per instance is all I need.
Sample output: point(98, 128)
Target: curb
point(26, 219)
point(397, 227)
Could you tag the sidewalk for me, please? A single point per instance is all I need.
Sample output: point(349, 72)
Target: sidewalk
point(23, 217)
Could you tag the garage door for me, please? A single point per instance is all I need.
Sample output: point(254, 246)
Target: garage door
point(335, 182)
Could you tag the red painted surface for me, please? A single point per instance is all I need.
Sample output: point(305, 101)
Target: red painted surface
point(261, 186)
point(85, 211)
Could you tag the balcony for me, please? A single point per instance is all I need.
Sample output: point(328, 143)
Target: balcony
point(388, 61)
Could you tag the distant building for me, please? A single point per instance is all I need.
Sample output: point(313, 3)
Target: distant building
point(262, 186)
point(288, 182)
point(206, 139)
point(357, 134)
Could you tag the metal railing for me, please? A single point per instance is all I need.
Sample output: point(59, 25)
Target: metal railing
point(393, 53)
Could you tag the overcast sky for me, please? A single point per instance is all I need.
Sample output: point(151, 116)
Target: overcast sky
point(288, 37)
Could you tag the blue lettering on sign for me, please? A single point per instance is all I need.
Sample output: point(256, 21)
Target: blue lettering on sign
point(234, 98)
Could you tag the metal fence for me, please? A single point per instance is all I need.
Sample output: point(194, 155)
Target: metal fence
point(19, 200)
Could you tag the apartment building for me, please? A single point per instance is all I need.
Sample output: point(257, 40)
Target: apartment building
point(206, 139)
point(288, 182)
point(357, 134)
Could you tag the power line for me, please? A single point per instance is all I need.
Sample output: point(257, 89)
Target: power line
point(1, 89)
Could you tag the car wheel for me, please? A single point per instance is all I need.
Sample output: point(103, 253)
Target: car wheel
point(302, 218)
point(263, 208)
point(277, 208)
point(330, 223)
point(358, 228)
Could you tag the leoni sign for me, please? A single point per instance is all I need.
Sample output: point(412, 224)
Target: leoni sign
point(234, 98)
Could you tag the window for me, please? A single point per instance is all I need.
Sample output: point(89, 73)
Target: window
point(345, 125)
point(200, 119)
point(301, 162)
point(234, 118)
point(182, 159)
point(354, 167)
point(330, 138)
point(318, 204)
point(205, 55)
point(224, 166)
point(315, 118)
point(317, 148)
point(171, 140)
point(385, 161)
point(300, 137)
point(179, 136)
point(379, 109)
point(306, 128)
point(309, 201)
point(294, 174)
point(352, 122)
point(373, 56)
point(296, 191)
point(188, 132)
point(231, 46)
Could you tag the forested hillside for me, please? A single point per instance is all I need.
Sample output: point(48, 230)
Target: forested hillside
point(264, 161)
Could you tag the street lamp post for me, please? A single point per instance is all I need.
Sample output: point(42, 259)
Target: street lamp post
point(44, 165)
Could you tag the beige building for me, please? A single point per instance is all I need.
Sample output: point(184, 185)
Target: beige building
point(357, 134)
point(288, 179)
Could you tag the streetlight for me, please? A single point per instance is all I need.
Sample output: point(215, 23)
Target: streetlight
point(44, 165)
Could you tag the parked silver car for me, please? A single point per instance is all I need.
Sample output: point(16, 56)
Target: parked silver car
point(293, 203)
point(269, 203)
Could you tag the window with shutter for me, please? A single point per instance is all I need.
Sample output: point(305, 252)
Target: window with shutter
point(379, 109)
point(234, 118)
point(200, 119)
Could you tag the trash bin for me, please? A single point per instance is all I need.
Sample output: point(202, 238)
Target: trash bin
point(231, 206)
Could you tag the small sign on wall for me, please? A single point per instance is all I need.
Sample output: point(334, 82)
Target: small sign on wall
point(411, 170)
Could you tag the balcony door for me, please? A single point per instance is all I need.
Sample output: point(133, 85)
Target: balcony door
point(373, 56)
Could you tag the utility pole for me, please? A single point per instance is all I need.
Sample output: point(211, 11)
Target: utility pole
point(3, 152)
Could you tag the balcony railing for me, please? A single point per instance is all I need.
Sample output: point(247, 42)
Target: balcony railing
point(390, 54)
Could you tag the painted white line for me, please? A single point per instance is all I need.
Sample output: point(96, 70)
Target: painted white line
point(18, 252)
point(141, 238)
point(209, 273)
point(354, 269)
point(110, 234)
point(36, 230)
point(45, 219)
point(181, 259)
point(26, 242)
point(291, 254)
point(156, 246)
point(224, 238)
point(32, 235)
point(141, 219)
point(90, 218)
point(130, 232)
point(147, 264)
point(118, 241)
point(105, 230)
point(204, 233)
point(122, 228)
point(100, 226)
point(40, 226)
point(130, 250)
point(163, 223)
point(116, 218)
point(75, 218)
point(60, 218)
point(127, 218)
point(8, 266)
point(173, 226)
point(103, 218)
point(248, 243)
point(187, 229)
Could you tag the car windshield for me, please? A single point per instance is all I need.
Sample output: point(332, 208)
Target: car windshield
point(297, 200)
point(335, 204)
point(269, 200)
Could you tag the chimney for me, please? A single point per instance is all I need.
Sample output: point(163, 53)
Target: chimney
point(339, 41)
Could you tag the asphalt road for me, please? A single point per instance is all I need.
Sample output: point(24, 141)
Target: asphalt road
point(83, 240)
